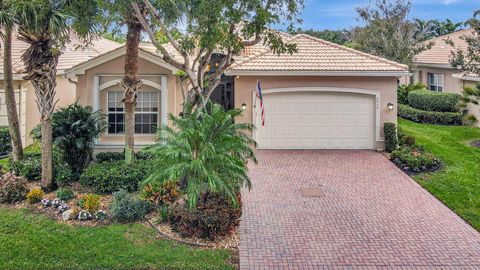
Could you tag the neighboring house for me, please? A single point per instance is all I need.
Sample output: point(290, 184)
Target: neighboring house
point(326, 96)
point(432, 67)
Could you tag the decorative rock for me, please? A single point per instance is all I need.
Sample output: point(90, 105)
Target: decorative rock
point(69, 215)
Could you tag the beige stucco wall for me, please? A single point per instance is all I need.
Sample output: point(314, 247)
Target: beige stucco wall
point(450, 84)
point(387, 86)
point(65, 94)
point(113, 70)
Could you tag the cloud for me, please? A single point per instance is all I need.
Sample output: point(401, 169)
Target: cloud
point(449, 2)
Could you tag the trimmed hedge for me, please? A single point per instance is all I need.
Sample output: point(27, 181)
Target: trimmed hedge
point(432, 101)
point(108, 177)
point(391, 140)
point(428, 117)
point(5, 142)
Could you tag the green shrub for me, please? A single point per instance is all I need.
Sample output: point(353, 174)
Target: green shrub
point(65, 194)
point(127, 208)
point(213, 216)
point(413, 159)
point(12, 188)
point(75, 129)
point(404, 89)
point(428, 117)
point(35, 195)
point(31, 167)
point(109, 157)
point(433, 101)
point(5, 142)
point(120, 156)
point(391, 141)
point(108, 177)
point(63, 175)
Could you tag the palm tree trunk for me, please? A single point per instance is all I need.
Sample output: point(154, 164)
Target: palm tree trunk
point(47, 155)
point(43, 74)
point(131, 84)
point(13, 125)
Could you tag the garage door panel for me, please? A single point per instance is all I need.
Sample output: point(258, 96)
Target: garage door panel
point(316, 120)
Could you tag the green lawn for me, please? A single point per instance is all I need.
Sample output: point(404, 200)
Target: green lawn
point(458, 184)
point(29, 241)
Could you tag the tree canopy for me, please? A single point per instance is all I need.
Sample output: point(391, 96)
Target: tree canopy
point(388, 32)
point(207, 28)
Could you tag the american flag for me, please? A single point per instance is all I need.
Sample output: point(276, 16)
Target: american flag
point(260, 96)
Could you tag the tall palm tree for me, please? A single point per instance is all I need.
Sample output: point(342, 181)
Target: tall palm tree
point(46, 26)
point(6, 28)
point(120, 13)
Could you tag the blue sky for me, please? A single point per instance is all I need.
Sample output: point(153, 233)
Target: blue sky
point(339, 14)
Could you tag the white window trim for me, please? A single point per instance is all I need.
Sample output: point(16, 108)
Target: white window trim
point(438, 81)
point(162, 87)
point(135, 112)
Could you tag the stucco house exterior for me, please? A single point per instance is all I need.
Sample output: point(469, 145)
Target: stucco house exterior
point(325, 96)
point(432, 67)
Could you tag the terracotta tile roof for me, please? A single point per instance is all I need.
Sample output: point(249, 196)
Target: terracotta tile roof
point(73, 54)
point(316, 55)
point(441, 51)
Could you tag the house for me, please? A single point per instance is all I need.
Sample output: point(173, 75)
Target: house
point(325, 96)
point(432, 67)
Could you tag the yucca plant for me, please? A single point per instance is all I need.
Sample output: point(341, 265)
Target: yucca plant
point(471, 95)
point(75, 129)
point(205, 150)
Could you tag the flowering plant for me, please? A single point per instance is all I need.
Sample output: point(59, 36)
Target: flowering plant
point(45, 202)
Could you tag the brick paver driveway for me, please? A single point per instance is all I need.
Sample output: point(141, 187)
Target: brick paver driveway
point(371, 216)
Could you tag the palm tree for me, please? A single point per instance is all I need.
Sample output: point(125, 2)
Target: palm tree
point(46, 26)
point(120, 13)
point(205, 150)
point(6, 24)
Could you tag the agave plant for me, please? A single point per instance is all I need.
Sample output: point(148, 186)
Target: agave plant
point(75, 129)
point(205, 150)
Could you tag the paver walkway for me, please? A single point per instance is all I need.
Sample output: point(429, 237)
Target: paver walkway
point(372, 216)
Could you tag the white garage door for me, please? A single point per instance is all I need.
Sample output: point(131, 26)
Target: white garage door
point(316, 120)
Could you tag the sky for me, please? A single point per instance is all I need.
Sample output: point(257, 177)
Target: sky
point(340, 14)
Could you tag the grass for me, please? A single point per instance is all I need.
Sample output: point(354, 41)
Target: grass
point(32, 241)
point(457, 184)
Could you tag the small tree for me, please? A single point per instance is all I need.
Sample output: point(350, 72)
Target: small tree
point(75, 129)
point(469, 60)
point(46, 26)
point(210, 28)
point(205, 150)
point(7, 16)
point(388, 33)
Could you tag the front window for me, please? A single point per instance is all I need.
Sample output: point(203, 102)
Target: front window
point(435, 82)
point(146, 113)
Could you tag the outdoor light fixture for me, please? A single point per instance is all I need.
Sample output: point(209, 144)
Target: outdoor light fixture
point(390, 106)
point(244, 106)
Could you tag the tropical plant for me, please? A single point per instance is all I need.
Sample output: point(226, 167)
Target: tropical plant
point(471, 95)
point(46, 26)
point(213, 30)
point(205, 151)
point(404, 89)
point(7, 16)
point(388, 32)
point(75, 129)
